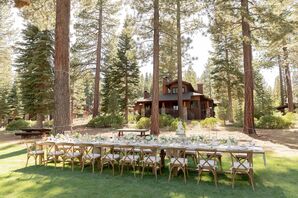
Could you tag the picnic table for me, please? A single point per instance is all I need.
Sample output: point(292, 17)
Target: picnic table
point(33, 132)
point(141, 131)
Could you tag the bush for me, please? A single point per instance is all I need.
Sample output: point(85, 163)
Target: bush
point(290, 117)
point(209, 122)
point(48, 123)
point(17, 125)
point(132, 117)
point(144, 123)
point(106, 121)
point(165, 120)
point(274, 122)
point(174, 124)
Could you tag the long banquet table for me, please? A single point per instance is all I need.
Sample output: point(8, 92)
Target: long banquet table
point(163, 146)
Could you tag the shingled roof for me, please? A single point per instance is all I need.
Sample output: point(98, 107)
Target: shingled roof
point(171, 97)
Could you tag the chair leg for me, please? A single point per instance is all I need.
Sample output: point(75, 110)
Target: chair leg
point(184, 174)
point(93, 162)
point(27, 160)
point(199, 175)
point(72, 164)
point(121, 169)
point(250, 175)
point(134, 170)
point(55, 161)
point(101, 166)
point(113, 168)
point(170, 175)
point(233, 179)
point(143, 168)
point(83, 165)
point(215, 177)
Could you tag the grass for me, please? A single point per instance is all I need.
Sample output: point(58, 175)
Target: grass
point(278, 179)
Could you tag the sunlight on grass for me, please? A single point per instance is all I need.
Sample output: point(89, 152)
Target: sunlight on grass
point(278, 179)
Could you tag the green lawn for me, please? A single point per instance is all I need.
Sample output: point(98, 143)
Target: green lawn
point(278, 179)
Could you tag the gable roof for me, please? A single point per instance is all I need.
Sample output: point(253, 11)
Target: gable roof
point(183, 82)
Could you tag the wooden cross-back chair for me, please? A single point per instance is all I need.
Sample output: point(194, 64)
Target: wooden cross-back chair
point(89, 155)
point(129, 158)
point(33, 151)
point(52, 152)
point(150, 159)
point(178, 161)
point(70, 153)
point(242, 165)
point(207, 162)
point(108, 156)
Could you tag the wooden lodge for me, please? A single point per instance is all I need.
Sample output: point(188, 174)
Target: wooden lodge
point(195, 104)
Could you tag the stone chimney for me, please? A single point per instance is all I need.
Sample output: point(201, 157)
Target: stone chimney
point(200, 88)
point(146, 94)
point(164, 86)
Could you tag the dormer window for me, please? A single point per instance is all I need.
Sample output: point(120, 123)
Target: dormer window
point(175, 90)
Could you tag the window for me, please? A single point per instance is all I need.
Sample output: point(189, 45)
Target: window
point(175, 107)
point(175, 90)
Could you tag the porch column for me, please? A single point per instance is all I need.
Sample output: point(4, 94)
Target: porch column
point(163, 108)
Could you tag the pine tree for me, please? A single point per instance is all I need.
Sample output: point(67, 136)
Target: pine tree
point(96, 23)
point(122, 76)
point(190, 76)
point(35, 71)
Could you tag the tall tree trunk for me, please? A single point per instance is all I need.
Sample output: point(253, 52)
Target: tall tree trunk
point(288, 80)
point(179, 61)
point(39, 120)
point(281, 82)
point(155, 87)
point(62, 117)
point(229, 89)
point(248, 126)
point(98, 62)
point(126, 94)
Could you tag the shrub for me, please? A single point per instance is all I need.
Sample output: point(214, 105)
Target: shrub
point(48, 123)
point(132, 117)
point(194, 123)
point(209, 122)
point(165, 120)
point(273, 122)
point(105, 121)
point(144, 123)
point(174, 124)
point(17, 125)
point(290, 117)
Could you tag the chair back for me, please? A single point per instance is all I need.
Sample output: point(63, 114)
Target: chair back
point(243, 163)
point(206, 157)
point(176, 155)
point(127, 151)
point(66, 147)
point(31, 146)
point(50, 147)
point(105, 150)
point(87, 149)
point(149, 157)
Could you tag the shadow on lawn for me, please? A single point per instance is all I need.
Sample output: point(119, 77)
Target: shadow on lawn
point(8, 146)
point(13, 154)
point(105, 185)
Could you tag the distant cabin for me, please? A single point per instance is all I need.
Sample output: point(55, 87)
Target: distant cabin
point(196, 105)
